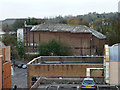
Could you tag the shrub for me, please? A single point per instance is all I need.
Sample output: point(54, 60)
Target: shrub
point(54, 48)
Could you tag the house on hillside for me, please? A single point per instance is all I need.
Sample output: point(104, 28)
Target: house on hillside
point(83, 40)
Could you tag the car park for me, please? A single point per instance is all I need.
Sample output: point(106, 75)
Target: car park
point(88, 83)
point(52, 88)
point(67, 87)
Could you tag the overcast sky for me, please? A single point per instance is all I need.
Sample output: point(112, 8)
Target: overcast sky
point(51, 8)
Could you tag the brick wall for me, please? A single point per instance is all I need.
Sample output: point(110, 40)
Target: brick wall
point(59, 70)
point(79, 41)
point(68, 70)
point(7, 75)
point(7, 53)
point(0, 72)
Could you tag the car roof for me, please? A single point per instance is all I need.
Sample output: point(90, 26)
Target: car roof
point(88, 78)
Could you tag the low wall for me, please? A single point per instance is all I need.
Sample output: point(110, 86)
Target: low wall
point(65, 70)
point(64, 80)
point(67, 58)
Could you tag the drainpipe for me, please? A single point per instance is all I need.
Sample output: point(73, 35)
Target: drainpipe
point(90, 45)
point(2, 76)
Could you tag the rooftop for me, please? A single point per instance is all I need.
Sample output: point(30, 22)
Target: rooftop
point(67, 28)
point(67, 60)
point(2, 45)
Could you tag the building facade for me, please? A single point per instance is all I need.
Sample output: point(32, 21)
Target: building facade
point(5, 66)
point(2, 33)
point(0, 70)
point(71, 66)
point(82, 40)
point(112, 64)
point(20, 34)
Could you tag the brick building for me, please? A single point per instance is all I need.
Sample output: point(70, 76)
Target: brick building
point(5, 66)
point(82, 39)
point(0, 71)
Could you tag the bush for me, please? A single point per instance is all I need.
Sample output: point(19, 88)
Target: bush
point(29, 57)
point(54, 48)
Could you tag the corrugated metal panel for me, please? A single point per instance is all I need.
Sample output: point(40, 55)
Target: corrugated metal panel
point(114, 53)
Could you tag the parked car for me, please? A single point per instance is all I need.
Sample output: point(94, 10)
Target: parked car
point(88, 83)
point(20, 65)
point(24, 66)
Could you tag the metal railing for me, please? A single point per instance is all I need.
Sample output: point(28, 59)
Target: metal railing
point(60, 58)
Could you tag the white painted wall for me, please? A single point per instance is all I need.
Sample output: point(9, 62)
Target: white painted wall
point(20, 34)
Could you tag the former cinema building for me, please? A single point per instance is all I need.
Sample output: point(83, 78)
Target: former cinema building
point(82, 39)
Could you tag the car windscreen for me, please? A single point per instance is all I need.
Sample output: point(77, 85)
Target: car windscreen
point(88, 82)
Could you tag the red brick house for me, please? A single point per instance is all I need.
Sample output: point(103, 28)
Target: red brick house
point(82, 39)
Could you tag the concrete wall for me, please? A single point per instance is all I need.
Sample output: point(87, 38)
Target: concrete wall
point(68, 70)
point(114, 73)
point(72, 58)
point(95, 59)
point(7, 75)
point(114, 59)
point(119, 73)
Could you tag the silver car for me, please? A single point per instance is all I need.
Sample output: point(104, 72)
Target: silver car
point(88, 83)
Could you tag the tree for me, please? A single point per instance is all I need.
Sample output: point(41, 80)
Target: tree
point(19, 23)
point(32, 21)
point(21, 48)
point(43, 49)
point(54, 48)
point(9, 40)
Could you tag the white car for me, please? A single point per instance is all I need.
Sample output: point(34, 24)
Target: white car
point(88, 83)
point(24, 66)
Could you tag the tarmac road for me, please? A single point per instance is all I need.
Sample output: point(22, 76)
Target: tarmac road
point(19, 76)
